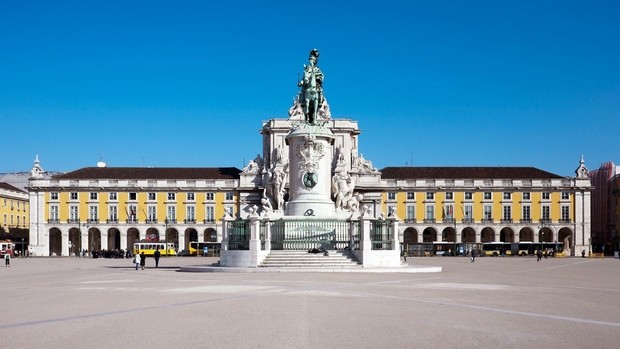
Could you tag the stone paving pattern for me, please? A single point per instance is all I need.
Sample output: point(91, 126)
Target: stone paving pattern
point(512, 302)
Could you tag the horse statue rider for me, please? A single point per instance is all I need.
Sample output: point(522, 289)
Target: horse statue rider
point(311, 95)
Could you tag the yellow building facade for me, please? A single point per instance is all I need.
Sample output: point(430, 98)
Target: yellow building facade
point(14, 215)
point(109, 209)
point(445, 206)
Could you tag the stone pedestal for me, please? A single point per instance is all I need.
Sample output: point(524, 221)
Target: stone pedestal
point(310, 159)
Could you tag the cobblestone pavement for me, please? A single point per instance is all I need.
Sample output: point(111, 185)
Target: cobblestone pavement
point(512, 302)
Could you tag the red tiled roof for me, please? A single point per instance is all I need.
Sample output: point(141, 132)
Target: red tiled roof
point(466, 173)
point(152, 173)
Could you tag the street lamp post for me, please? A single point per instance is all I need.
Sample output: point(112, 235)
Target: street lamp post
point(455, 234)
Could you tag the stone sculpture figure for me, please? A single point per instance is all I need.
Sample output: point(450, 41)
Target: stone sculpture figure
point(254, 165)
point(342, 188)
point(311, 95)
point(265, 203)
point(277, 182)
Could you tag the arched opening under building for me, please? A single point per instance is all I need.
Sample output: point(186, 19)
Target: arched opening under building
point(526, 234)
point(546, 235)
point(210, 235)
point(410, 236)
point(55, 242)
point(152, 234)
point(429, 235)
point(94, 239)
point(75, 242)
point(448, 235)
point(172, 236)
point(507, 235)
point(133, 236)
point(114, 239)
point(468, 235)
point(565, 236)
point(487, 235)
point(190, 235)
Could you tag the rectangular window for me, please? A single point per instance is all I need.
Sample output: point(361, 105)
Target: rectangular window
point(54, 213)
point(93, 215)
point(410, 196)
point(430, 196)
point(545, 195)
point(53, 196)
point(410, 213)
point(152, 213)
point(152, 196)
point(526, 195)
point(469, 195)
point(565, 214)
point(73, 196)
point(391, 195)
point(210, 214)
point(488, 213)
point(230, 196)
point(487, 195)
point(171, 214)
point(172, 196)
point(448, 212)
point(133, 196)
point(93, 196)
point(527, 213)
point(430, 212)
point(191, 197)
point(131, 213)
point(449, 195)
point(73, 214)
point(190, 214)
point(468, 212)
point(209, 196)
point(507, 217)
point(113, 213)
point(545, 213)
point(507, 195)
point(565, 195)
point(113, 197)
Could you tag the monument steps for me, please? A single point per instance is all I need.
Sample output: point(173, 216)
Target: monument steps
point(303, 259)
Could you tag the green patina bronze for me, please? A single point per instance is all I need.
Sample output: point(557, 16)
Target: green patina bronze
point(311, 95)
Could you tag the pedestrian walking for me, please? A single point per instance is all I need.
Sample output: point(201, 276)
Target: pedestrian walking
point(142, 260)
point(473, 256)
point(538, 255)
point(7, 259)
point(137, 261)
point(156, 256)
point(405, 255)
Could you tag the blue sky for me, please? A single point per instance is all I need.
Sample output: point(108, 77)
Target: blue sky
point(188, 83)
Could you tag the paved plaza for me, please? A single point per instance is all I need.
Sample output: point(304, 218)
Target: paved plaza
point(495, 302)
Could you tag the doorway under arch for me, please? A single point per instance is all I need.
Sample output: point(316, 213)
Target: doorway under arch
point(55, 242)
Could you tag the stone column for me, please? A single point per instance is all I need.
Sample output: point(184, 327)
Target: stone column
point(254, 239)
point(310, 174)
point(267, 235)
point(123, 237)
point(84, 238)
point(182, 245)
point(104, 239)
point(365, 244)
point(65, 243)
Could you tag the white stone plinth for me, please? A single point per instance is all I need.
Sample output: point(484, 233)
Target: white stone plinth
point(310, 159)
